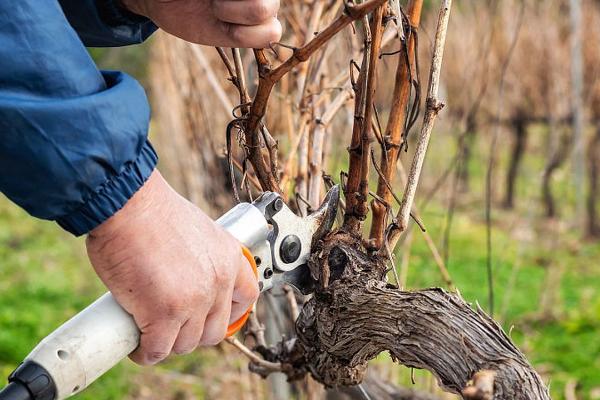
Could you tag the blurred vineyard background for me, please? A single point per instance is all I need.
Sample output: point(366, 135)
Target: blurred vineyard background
point(523, 97)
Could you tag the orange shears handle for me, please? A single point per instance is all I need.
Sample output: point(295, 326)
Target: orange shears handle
point(237, 325)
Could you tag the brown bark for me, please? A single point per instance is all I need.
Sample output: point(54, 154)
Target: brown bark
point(357, 187)
point(519, 130)
point(355, 315)
point(396, 124)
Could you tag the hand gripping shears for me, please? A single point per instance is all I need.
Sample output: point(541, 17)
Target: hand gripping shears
point(277, 244)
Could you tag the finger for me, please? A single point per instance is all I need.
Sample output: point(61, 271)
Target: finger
point(245, 292)
point(249, 12)
point(246, 284)
point(217, 321)
point(190, 334)
point(237, 311)
point(156, 342)
point(257, 36)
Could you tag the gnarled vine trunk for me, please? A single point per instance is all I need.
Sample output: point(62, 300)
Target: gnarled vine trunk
point(354, 315)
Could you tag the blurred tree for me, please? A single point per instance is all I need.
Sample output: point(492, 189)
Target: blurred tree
point(518, 125)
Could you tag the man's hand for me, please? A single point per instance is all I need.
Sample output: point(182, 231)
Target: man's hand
point(227, 23)
point(182, 277)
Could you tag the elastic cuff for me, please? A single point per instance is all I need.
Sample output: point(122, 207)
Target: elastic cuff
point(112, 195)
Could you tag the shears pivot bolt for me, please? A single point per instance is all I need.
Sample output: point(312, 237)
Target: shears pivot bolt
point(290, 249)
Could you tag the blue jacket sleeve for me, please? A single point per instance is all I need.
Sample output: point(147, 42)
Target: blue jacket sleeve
point(73, 140)
point(105, 23)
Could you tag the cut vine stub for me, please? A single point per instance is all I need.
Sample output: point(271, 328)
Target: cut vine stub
point(354, 315)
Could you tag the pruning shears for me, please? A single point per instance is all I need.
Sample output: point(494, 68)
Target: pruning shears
point(277, 244)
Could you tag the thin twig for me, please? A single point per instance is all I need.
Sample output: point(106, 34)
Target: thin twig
point(293, 151)
point(392, 263)
point(433, 108)
point(211, 77)
point(250, 177)
point(292, 302)
point(428, 240)
point(226, 61)
point(318, 140)
point(256, 329)
point(254, 358)
point(405, 260)
point(240, 77)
